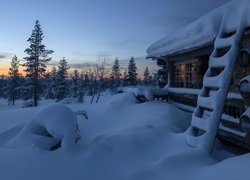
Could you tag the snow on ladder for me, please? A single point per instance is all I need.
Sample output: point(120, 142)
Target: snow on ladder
point(216, 82)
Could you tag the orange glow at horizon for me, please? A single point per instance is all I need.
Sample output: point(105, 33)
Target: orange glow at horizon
point(4, 70)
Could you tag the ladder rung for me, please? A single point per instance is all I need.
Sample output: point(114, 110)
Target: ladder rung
point(213, 82)
point(216, 62)
point(199, 123)
point(207, 102)
point(224, 42)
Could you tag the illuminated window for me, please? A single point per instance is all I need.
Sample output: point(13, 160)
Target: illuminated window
point(187, 75)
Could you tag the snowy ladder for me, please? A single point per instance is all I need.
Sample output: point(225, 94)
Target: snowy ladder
point(216, 82)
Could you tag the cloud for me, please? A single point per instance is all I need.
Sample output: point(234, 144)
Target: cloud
point(179, 13)
point(120, 43)
point(4, 55)
point(81, 65)
point(103, 55)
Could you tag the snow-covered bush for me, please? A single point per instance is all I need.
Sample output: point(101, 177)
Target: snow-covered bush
point(52, 127)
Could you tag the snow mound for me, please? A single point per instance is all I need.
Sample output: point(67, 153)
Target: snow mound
point(149, 93)
point(121, 100)
point(52, 127)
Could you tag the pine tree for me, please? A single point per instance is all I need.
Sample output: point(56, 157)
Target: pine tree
point(51, 84)
point(61, 80)
point(90, 79)
point(87, 82)
point(3, 84)
point(25, 90)
point(115, 75)
point(125, 78)
point(116, 71)
point(132, 72)
point(36, 61)
point(14, 80)
point(146, 77)
point(82, 87)
point(75, 84)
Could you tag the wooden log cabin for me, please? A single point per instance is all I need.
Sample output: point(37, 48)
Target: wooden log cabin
point(184, 56)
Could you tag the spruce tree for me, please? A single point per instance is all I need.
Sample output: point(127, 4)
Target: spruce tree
point(36, 61)
point(125, 78)
point(115, 75)
point(51, 84)
point(132, 72)
point(14, 81)
point(82, 87)
point(75, 84)
point(61, 80)
point(116, 71)
point(3, 84)
point(146, 77)
point(87, 82)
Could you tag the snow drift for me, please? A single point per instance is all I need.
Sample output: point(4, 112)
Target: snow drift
point(122, 140)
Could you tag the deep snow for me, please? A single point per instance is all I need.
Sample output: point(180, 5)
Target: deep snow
point(121, 140)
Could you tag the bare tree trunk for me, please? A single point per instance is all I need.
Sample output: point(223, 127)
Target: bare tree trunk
point(98, 92)
point(92, 99)
point(98, 96)
point(35, 99)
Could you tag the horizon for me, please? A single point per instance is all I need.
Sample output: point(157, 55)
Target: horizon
point(83, 31)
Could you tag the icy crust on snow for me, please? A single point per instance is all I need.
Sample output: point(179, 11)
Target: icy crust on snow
point(201, 32)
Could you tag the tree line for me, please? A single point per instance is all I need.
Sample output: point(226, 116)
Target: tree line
point(58, 83)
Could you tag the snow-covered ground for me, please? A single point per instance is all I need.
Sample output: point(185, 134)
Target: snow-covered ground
point(121, 140)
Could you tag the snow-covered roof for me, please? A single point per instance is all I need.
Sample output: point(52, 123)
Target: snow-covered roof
point(199, 33)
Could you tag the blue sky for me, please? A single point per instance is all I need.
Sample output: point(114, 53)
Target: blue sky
point(83, 30)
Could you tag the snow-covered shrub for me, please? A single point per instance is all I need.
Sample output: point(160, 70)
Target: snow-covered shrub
point(52, 127)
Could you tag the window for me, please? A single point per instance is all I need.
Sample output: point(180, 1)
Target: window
point(187, 75)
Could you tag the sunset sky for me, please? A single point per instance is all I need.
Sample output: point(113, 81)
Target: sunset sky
point(83, 30)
